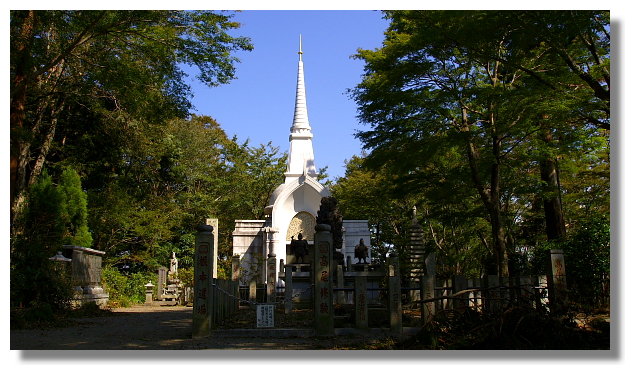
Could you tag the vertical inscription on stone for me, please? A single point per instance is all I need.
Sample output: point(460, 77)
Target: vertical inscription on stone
point(271, 278)
point(201, 317)
point(558, 290)
point(361, 303)
point(394, 289)
point(323, 281)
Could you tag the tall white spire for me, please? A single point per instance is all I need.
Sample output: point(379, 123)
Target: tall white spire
point(300, 51)
point(300, 116)
point(300, 161)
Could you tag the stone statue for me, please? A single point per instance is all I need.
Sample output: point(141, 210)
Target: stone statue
point(299, 248)
point(329, 214)
point(361, 251)
point(174, 265)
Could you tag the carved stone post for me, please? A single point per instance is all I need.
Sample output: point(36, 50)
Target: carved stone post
point(557, 281)
point(252, 291)
point(341, 295)
point(361, 302)
point(201, 317)
point(428, 309)
point(214, 261)
point(394, 295)
point(323, 281)
point(288, 288)
point(271, 278)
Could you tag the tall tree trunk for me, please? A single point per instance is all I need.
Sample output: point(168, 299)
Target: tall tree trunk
point(498, 229)
point(19, 145)
point(554, 218)
point(490, 197)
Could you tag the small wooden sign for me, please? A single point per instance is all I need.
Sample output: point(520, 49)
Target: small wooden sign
point(264, 315)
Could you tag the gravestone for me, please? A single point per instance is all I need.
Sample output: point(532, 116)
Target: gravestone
point(162, 280)
point(248, 244)
point(86, 275)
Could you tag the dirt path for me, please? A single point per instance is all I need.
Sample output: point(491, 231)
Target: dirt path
point(155, 327)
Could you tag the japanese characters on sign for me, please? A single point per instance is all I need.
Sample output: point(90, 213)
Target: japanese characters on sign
point(201, 278)
point(203, 264)
point(264, 316)
point(362, 305)
point(323, 271)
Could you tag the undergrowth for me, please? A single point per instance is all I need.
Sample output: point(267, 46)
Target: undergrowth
point(515, 328)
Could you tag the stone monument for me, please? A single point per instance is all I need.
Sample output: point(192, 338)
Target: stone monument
point(293, 206)
point(174, 266)
point(173, 289)
point(86, 275)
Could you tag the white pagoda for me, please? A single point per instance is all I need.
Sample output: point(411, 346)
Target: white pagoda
point(293, 205)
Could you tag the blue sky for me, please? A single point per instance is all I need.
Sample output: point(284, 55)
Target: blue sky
point(258, 105)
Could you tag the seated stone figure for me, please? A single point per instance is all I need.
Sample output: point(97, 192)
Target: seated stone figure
point(299, 248)
point(361, 251)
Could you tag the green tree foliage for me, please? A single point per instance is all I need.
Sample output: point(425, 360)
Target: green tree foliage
point(453, 227)
point(125, 290)
point(147, 205)
point(119, 66)
point(54, 215)
point(103, 92)
point(74, 212)
point(485, 104)
point(365, 193)
point(588, 253)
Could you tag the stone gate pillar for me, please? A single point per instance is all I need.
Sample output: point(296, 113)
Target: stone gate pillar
point(201, 316)
point(271, 278)
point(394, 295)
point(323, 281)
point(557, 280)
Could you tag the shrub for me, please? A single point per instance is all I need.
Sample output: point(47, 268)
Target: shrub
point(587, 262)
point(587, 253)
point(125, 290)
point(35, 280)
